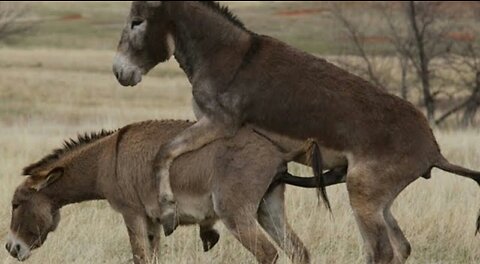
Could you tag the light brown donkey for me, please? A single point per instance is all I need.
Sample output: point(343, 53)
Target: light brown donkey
point(226, 180)
point(239, 77)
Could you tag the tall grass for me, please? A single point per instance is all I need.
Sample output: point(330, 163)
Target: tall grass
point(44, 100)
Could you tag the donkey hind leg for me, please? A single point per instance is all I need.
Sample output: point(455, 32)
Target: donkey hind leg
point(153, 236)
point(209, 235)
point(271, 216)
point(192, 138)
point(401, 246)
point(371, 197)
point(137, 228)
point(245, 228)
point(368, 201)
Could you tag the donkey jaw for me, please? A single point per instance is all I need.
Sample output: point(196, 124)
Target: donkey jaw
point(126, 72)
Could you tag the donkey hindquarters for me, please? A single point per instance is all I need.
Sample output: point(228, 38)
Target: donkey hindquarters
point(249, 225)
point(249, 208)
point(372, 187)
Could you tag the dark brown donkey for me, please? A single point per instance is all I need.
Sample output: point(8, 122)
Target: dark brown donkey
point(116, 166)
point(240, 77)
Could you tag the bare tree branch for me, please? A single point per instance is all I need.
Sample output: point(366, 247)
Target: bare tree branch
point(466, 65)
point(420, 35)
point(455, 109)
point(355, 37)
point(11, 15)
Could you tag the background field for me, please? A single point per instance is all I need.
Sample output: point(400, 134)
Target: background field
point(57, 82)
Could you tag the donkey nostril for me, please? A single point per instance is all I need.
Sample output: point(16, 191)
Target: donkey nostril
point(17, 248)
point(7, 246)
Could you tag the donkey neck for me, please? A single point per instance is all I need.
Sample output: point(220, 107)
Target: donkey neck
point(79, 183)
point(200, 32)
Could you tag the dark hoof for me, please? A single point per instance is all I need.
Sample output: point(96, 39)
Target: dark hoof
point(169, 223)
point(209, 239)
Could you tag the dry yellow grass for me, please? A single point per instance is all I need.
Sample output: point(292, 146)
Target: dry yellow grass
point(49, 95)
point(57, 82)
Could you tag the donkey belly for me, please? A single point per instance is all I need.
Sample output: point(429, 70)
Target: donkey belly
point(194, 209)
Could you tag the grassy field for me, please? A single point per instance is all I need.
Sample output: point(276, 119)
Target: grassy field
point(81, 25)
point(57, 82)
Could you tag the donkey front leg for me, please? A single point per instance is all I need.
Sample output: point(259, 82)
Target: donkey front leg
point(153, 236)
point(137, 226)
point(192, 138)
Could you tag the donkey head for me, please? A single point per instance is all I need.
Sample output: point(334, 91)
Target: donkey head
point(146, 41)
point(34, 215)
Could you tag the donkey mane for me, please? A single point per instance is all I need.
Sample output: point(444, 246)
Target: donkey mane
point(225, 12)
point(87, 138)
point(68, 145)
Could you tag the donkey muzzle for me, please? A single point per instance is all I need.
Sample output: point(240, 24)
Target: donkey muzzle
point(126, 72)
point(17, 249)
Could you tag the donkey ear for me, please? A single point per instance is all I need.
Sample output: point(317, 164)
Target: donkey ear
point(154, 3)
point(50, 178)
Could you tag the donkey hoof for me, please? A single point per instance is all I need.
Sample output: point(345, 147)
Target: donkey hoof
point(209, 239)
point(169, 223)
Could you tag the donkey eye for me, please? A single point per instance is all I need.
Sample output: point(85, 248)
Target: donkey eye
point(15, 206)
point(136, 22)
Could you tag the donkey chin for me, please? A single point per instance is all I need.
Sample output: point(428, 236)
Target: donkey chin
point(17, 248)
point(127, 73)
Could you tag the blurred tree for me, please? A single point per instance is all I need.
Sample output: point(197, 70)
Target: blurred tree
point(357, 37)
point(465, 63)
point(428, 34)
point(416, 34)
point(11, 16)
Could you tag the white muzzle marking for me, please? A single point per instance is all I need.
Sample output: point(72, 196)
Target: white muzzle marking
point(126, 72)
point(170, 45)
point(16, 244)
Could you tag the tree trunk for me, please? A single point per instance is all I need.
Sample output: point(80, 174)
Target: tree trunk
point(471, 105)
point(423, 62)
point(468, 118)
point(428, 99)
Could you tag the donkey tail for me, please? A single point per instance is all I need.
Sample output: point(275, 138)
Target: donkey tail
point(445, 165)
point(315, 161)
point(317, 167)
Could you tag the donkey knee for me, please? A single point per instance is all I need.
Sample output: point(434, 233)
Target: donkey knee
point(373, 228)
point(248, 232)
point(383, 254)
